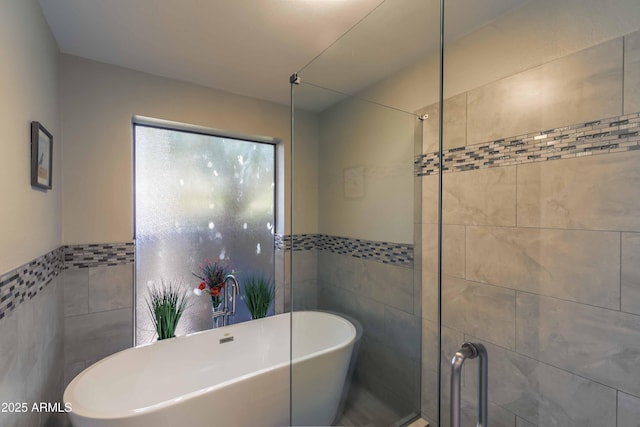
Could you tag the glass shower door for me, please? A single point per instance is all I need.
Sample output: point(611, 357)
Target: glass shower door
point(361, 258)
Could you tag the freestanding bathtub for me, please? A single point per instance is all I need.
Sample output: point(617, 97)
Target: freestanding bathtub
point(207, 379)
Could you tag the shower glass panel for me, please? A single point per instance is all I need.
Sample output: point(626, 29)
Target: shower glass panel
point(360, 263)
point(200, 197)
point(361, 256)
point(541, 209)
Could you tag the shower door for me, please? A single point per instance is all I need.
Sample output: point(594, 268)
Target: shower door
point(360, 264)
point(356, 248)
point(540, 211)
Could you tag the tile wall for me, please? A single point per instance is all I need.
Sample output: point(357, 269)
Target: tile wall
point(541, 241)
point(58, 314)
point(31, 349)
point(98, 303)
point(372, 282)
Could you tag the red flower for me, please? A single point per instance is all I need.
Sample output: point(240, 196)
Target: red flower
point(201, 286)
point(215, 292)
point(221, 285)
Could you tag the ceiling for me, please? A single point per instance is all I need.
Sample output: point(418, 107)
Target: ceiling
point(250, 47)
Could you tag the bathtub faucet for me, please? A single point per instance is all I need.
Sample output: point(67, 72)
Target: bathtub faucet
point(235, 291)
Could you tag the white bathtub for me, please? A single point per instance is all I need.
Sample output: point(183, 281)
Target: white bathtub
point(196, 381)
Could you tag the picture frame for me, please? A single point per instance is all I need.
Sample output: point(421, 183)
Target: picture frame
point(41, 157)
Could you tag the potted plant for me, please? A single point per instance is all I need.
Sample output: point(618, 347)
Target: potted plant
point(212, 277)
point(258, 296)
point(166, 303)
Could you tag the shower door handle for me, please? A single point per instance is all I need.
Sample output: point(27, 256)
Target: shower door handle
point(469, 351)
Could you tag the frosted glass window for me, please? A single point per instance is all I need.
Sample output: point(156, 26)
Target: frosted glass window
point(200, 197)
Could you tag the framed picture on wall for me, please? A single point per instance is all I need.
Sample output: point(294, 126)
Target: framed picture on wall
point(41, 156)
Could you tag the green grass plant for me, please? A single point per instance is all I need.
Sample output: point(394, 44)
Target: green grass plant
point(166, 304)
point(258, 296)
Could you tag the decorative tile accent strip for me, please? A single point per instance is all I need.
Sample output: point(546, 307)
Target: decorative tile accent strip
point(305, 242)
point(387, 252)
point(279, 241)
point(23, 283)
point(93, 255)
point(612, 135)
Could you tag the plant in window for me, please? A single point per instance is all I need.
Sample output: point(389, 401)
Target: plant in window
point(258, 296)
point(166, 303)
point(212, 275)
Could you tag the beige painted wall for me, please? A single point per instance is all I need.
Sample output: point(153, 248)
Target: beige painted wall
point(97, 104)
point(305, 173)
point(30, 219)
point(379, 140)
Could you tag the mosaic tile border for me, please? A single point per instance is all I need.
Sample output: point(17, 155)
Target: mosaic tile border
point(386, 252)
point(23, 283)
point(305, 242)
point(612, 135)
point(100, 254)
point(279, 241)
point(400, 254)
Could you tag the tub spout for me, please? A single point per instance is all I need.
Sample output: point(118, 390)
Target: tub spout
point(235, 291)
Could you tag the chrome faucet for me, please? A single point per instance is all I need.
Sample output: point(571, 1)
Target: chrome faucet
point(226, 310)
point(235, 291)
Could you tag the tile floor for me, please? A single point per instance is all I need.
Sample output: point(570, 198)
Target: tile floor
point(363, 409)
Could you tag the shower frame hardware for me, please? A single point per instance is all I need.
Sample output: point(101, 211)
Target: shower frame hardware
point(469, 351)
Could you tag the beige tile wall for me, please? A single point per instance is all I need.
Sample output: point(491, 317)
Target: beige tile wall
point(455, 124)
point(541, 259)
point(628, 410)
point(381, 297)
point(98, 310)
point(585, 193)
point(632, 73)
point(577, 265)
point(303, 266)
point(630, 290)
point(537, 99)
point(480, 197)
point(31, 353)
